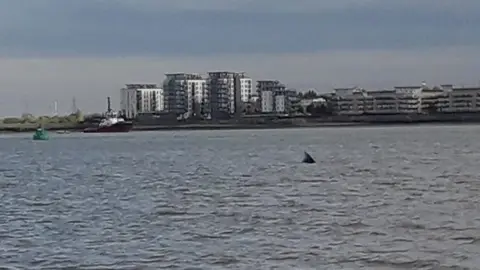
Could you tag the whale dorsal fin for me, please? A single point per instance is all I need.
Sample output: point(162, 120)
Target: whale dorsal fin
point(307, 158)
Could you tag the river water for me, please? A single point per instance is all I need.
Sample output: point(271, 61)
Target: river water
point(378, 198)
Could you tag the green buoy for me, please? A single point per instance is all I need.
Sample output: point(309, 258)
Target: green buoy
point(40, 135)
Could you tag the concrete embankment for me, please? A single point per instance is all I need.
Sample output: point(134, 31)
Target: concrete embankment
point(32, 128)
point(265, 123)
point(239, 126)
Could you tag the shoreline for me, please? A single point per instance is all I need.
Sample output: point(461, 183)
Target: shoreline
point(140, 128)
point(241, 126)
point(297, 126)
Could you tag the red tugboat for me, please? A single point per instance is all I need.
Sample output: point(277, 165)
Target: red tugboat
point(111, 123)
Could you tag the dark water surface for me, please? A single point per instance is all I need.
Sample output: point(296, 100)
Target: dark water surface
point(379, 198)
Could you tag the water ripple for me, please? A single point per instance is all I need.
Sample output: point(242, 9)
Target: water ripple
point(396, 198)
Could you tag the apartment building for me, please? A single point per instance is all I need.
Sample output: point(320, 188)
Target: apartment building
point(186, 94)
point(274, 97)
point(225, 92)
point(141, 98)
point(246, 88)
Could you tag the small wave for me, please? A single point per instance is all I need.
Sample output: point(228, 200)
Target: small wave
point(223, 260)
point(28, 202)
point(402, 263)
point(411, 225)
point(169, 212)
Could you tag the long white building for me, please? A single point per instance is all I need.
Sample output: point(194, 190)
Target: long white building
point(186, 94)
point(141, 98)
point(401, 99)
point(407, 100)
point(458, 99)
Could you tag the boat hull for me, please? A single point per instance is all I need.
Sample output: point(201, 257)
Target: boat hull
point(115, 128)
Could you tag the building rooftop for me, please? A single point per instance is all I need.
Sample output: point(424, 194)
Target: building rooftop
point(345, 88)
point(477, 88)
point(141, 86)
point(226, 73)
point(190, 76)
point(378, 92)
point(275, 84)
point(268, 81)
point(408, 87)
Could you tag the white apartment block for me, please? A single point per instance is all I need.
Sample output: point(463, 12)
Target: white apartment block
point(186, 94)
point(280, 103)
point(274, 97)
point(227, 91)
point(141, 98)
point(267, 100)
point(246, 89)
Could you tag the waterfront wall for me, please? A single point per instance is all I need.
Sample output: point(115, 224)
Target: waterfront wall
point(417, 118)
point(269, 122)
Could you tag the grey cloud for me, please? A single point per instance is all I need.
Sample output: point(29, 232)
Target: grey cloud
point(148, 27)
point(299, 5)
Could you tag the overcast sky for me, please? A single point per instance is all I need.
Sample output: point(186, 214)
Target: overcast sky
point(57, 49)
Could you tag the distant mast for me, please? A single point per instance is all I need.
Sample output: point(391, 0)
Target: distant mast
point(109, 108)
point(74, 106)
point(55, 108)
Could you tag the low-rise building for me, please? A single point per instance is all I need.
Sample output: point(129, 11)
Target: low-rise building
point(382, 102)
point(351, 101)
point(430, 98)
point(141, 98)
point(459, 99)
point(407, 100)
point(399, 100)
point(304, 103)
point(449, 99)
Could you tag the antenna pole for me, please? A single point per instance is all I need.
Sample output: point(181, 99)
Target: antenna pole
point(74, 106)
point(109, 108)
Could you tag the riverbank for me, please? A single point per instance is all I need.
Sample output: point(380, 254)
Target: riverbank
point(242, 126)
point(271, 122)
point(318, 125)
point(16, 128)
point(139, 128)
point(31, 128)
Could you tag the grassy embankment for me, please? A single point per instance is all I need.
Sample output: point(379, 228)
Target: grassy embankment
point(28, 123)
